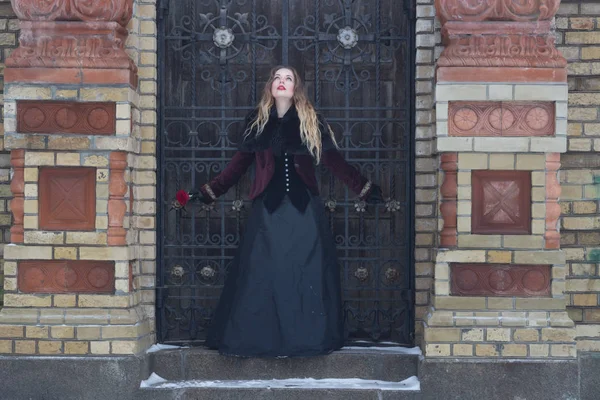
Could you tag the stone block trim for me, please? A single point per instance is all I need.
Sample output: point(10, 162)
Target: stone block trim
point(541, 171)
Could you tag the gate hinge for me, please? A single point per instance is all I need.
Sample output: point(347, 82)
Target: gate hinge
point(163, 8)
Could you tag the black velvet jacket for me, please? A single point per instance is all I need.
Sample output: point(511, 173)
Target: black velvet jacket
point(259, 149)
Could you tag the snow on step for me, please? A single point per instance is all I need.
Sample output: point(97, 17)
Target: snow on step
point(412, 384)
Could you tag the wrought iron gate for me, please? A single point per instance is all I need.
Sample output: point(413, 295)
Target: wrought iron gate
point(356, 57)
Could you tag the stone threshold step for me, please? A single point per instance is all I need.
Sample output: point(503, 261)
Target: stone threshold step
point(368, 363)
point(157, 388)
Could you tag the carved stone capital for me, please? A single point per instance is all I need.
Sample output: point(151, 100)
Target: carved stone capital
point(496, 10)
point(119, 11)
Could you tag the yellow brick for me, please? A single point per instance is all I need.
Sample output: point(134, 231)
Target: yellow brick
point(437, 350)
point(487, 319)
point(539, 350)
point(107, 301)
point(440, 318)
point(31, 190)
point(563, 350)
point(70, 159)
point(124, 347)
point(498, 335)
point(486, 350)
point(459, 303)
point(500, 303)
point(9, 331)
point(514, 350)
point(18, 316)
point(513, 318)
point(442, 335)
point(538, 178)
point(95, 161)
point(104, 94)
point(65, 300)
point(465, 350)
point(584, 207)
point(464, 178)
point(472, 335)
point(68, 143)
point(539, 304)
point(28, 93)
point(25, 346)
point(472, 161)
point(523, 242)
point(88, 332)
point(62, 332)
point(77, 347)
point(39, 332)
point(39, 158)
point(101, 222)
point(50, 347)
point(526, 335)
point(30, 206)
point(464, 318)
point(531, 162)
point(100, 347)
point(463, 224)
point(65, 253)
point(558, 334)
point(5, 346)
point(87, 316)
point(37, 237)
point(502, 161)
point(86, 238)
point(479, 241)
point(30, 222)
point(66, 94)
point(27, 300)
point(499, 256)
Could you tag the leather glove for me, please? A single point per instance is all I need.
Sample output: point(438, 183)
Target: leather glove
point(196, 195)
point(375, 196)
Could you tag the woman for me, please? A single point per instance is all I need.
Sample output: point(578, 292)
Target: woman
point(282, 295)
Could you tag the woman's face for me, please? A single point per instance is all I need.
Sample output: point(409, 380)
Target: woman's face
point(283, 84)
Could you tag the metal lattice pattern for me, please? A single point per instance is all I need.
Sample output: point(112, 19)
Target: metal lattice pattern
point(356, 58)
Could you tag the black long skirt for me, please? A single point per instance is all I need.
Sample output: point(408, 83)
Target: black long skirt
point(282, 295)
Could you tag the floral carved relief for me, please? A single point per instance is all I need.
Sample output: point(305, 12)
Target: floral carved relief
point(74, 10)
point(501, 119)
point(500, 280)
point(496, 10)
point(501, 51)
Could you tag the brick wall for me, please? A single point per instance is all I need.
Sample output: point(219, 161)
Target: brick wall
point(578, 33)
point(426, 180)
point(9, 26)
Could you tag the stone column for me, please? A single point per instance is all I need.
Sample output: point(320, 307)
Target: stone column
point(501, 116)
point(72, 125)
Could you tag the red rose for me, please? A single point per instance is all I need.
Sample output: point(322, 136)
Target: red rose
point(182, 197)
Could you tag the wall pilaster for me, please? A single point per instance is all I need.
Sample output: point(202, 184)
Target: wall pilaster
point(501, 125)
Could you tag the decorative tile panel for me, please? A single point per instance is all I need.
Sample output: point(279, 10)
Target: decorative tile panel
point(88, 118)
point(47, 276)
point(500, 280)
point(501, 202)
point(67, 198)
point(500, 118)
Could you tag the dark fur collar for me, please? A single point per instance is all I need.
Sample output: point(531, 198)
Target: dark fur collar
point(290, 128)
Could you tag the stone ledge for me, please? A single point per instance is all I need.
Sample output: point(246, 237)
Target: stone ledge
point(556, 144)
point(551, 91)
point(69, 142)
point(556, 257)
point(112, 253)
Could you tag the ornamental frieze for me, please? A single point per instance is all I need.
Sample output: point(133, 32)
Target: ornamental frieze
point(496, 10)
point(74, 10)
point(502, 51)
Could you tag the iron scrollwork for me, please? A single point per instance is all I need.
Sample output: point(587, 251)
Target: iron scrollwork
point(355, 57)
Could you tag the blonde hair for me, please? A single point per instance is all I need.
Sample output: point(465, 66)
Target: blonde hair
point(310, 133)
